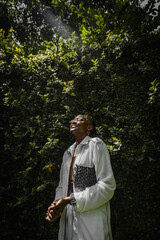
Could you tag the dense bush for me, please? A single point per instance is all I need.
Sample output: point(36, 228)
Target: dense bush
point(108, 69)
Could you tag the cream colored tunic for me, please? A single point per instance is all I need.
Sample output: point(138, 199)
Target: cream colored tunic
point(92, 210)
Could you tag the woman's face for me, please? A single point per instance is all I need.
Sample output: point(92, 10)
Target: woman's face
point(80, 125)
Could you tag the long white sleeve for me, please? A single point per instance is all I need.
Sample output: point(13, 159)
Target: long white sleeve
point(59, 189)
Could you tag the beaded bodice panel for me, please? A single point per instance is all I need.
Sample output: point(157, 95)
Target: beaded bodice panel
point(84, 177)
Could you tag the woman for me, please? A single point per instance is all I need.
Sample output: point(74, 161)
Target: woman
point(86, 185)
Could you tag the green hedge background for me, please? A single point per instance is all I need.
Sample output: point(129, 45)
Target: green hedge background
point(62, 58)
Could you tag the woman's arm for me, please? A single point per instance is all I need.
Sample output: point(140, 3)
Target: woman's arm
point(97, 195)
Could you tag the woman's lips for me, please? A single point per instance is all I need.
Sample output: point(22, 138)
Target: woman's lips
point(74, 128)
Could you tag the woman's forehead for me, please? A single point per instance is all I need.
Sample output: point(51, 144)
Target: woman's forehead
point(83, 117)
point(79, 117)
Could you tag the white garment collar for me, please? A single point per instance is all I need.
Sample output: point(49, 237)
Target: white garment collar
point(83, 142)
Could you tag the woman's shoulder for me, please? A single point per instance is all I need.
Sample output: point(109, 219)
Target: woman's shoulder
point(96, 140)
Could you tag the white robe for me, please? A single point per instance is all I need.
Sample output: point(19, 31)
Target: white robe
point(92, 210)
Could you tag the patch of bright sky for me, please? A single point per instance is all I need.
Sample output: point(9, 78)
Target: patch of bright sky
point(156, 6)
point(143, 3)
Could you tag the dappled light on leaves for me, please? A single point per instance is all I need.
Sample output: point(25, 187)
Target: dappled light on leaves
point(62, 58)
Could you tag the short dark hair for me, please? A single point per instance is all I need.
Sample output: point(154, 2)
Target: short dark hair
point(93, 131)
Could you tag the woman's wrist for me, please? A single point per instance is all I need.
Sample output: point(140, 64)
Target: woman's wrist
point(67, 200)
point(73, 200)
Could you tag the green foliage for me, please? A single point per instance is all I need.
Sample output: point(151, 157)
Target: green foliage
point(111, 72)
point(35, 97)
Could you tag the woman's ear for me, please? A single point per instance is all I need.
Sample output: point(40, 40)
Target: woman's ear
point(89, 127)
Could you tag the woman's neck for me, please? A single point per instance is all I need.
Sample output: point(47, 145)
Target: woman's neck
point(80, 138)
